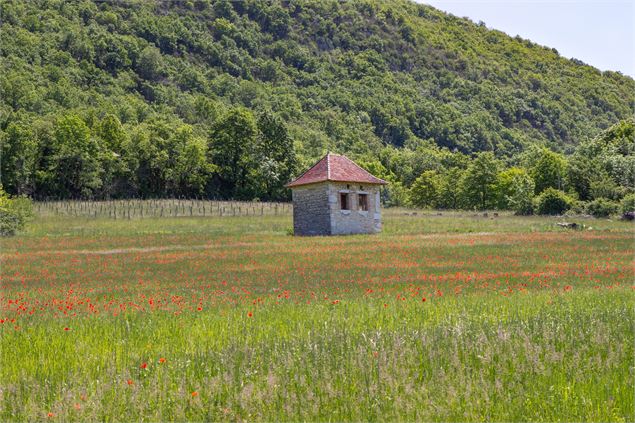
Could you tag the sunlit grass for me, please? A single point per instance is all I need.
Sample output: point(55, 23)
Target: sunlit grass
point(236, 320)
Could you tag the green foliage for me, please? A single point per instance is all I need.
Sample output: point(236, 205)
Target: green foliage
point(605, 166)
point(150, 64)
point(14, 213)
point(18, 157)
point(548, 170)
point(401, 83)
point(424, 192)
point(478, 185)
point(232, 144)
point(553, 202)
point(275, 155)
point(602, 207)
point(450, 190)
point(515, 191)
point(628, 203)
point(72, 168)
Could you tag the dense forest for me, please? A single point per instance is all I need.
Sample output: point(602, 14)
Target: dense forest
point(223, 99)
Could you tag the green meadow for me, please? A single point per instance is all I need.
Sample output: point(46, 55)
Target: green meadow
point(441, 317)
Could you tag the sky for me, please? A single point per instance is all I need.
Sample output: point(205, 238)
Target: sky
point(600, 33)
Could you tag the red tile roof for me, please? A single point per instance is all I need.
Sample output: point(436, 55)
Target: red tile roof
point(336, 168)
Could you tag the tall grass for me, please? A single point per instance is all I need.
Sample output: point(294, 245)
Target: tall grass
point(235, 320)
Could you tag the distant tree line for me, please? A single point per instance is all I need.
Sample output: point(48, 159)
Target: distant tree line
point(243, 157)
point(595, 179)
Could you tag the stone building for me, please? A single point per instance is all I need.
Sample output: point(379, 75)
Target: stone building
point(336, 197)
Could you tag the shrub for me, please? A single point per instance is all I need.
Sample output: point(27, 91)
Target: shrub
point(577, 207)
point(14, 213)
point(602, 207)
point(552, 201)
point(627, 204)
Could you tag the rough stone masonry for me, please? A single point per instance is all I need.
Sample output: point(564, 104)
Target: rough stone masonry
point(336, 197)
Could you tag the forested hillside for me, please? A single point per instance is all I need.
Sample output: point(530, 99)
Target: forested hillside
point(221, 99)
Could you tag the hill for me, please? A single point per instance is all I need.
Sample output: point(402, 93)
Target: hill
point(139, 98)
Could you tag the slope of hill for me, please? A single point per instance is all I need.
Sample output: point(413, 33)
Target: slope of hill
point(151, 84)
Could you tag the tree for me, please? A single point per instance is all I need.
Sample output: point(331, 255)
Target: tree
point(150, 63)
point(114, 158)
point(478, 185)
point(147, 146)
point(112, 133)
point(191, 171)
point(515, 191)
point(425, 190)
point(276, 155)
point(231, 146)
point(603, 186)
point(548, 171)
point(449, 190)
point(73, 169)
point(580, 174)
point(19, 152)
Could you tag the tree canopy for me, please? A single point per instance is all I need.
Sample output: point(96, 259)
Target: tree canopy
point(223, 99)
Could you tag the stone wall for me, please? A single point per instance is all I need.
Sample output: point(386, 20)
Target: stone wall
point(354, 221)
point(311, 210)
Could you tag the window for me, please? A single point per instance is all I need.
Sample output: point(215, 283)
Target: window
point(363, 202)
point(344, 201)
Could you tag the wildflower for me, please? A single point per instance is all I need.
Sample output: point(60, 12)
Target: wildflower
point(250, 314)
point(130, 382)
point(50, 414)
point(144, 365)
point(200, 308)
point(67, 328)
point(162, 360)
point(77, 406)
point(423, 300)
point(194, 394)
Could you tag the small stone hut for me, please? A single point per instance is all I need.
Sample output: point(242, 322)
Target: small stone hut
point(336, 197)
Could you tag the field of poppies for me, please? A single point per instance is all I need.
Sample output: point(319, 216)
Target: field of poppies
point(439, 318)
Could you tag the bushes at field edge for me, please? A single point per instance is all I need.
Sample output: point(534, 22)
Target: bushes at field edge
point(14, 213)
point(602, 207)
point(552, 201)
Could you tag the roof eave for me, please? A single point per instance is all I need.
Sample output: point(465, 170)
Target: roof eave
point(294, 185)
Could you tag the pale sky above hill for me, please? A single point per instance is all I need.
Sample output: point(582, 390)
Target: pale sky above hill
point(600, 33)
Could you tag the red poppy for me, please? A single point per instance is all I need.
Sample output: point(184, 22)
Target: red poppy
point(250, 314)
point(130, 382)
point(144, 365)
point(194, 394)
point(162, 360)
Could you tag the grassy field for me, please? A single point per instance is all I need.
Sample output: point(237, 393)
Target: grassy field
point(440, 318)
